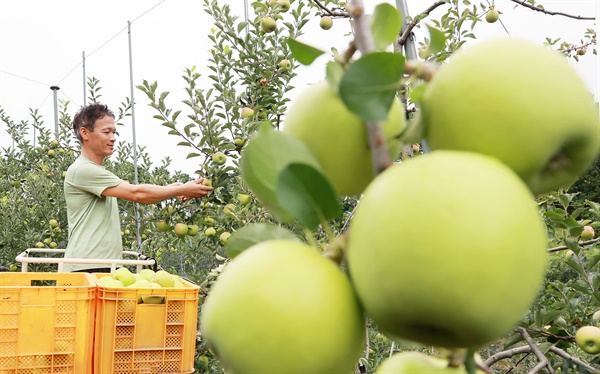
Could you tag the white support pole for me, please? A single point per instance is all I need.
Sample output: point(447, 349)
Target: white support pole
point(55, 91)
point(135, 168)
point(409, 46)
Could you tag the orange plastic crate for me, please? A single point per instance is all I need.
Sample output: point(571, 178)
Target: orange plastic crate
point(46, 322)
point(137, 338)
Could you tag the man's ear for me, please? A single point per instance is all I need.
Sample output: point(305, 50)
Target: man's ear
point(84, 132)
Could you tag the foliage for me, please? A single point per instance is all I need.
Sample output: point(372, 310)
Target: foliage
point(245, 72)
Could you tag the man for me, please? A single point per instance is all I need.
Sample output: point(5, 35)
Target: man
point(91, 192)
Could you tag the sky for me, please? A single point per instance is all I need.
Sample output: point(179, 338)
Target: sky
point(42, 44)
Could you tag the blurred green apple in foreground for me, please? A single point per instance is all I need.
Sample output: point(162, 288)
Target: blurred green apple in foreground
point(519, 102)
point(417, 363)
point(464, 266)
point(281, 307)
point(338, 138)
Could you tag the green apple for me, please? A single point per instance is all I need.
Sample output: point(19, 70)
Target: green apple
point(124, 275)
point(538, 117)
point(47, 241)
point(239, 142)
point(581, 51)
point(181, 229)
point(247, 112)
point(54, 143)
point(588, 233)
point(492, 15)
point(416, 363)
point(163, 226)
point(53, 245)
point(244, 199)
point(207, 182)
point(192, 230)
point(588, 339)
point(139, 283)
point(424, 52)
point(284, 5)
point(52, 153)
point(153, 299)
point(177, 281)
point(326, 23)
point(208, 221)
point(596, 316)
point(444, 289)
point(569, 254)
point(224, 236)
point(268, 25)
point(53, 223)
point(285, 65)
point(338, 138)
point(229, 210)
point(163, 278)
point(219, 158)
point(111, 282)
point(264, 292)
point(210, 231)
point(16, 182)
point(39, 245)
point(147, 274)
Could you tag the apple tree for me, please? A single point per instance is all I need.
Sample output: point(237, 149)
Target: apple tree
point(294, 182)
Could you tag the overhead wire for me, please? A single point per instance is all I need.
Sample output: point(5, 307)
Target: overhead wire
point(22, 77)
point(108, 41)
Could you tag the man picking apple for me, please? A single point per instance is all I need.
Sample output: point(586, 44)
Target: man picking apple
point(91, 191)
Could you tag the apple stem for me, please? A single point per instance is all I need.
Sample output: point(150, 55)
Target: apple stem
point(421, 70)
point(380, 158)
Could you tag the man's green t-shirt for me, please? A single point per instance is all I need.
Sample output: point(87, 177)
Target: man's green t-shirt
point(94, 224)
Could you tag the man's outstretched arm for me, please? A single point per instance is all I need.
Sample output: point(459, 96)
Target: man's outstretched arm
point(151, 193)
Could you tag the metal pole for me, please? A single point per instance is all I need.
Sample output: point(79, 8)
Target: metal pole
point(135, 168)
point(55, 90)
point(246, 14)
point(409, 46)
point(410, 51)
point(84, 80)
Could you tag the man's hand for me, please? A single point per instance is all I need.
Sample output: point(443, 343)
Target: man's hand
point(194, 189)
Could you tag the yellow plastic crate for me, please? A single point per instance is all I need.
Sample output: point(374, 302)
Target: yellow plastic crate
point(46, 322)
point(137, 338)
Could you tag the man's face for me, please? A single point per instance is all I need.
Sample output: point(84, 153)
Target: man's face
point(102, 140)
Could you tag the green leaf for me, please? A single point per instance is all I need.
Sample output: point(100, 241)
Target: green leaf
point(369, 85)
point(268, 152)
point(386, 24)
point(307, 195)
point(241, 26)
point(572, 244)
point(334, 74)
point(438, 40)
point(252, 234)
point(303, 53)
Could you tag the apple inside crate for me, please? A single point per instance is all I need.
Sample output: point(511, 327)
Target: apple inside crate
point(146, 328)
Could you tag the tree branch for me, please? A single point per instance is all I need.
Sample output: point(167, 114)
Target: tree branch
point(329, 12)
point(527, 349)
point(408, 30)
point(365, 44)
point(532, 7)
point(539, 354)
point(563, 247)
point(575, 360)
